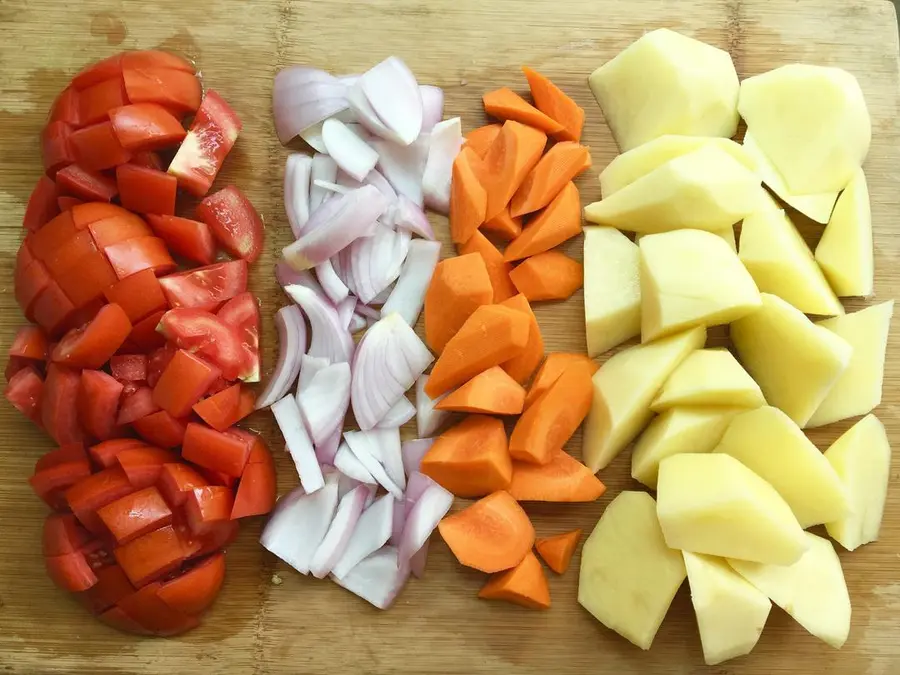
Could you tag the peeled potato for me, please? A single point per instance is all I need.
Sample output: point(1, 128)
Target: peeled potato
point(726, 235)
point(709, 377)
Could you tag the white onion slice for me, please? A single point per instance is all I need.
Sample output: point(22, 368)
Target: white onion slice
point(363, 445)
point(422, 520)
point(309, 366)
point(368, 311)
point(323, 403)
point(345, 484)
point(408, 295)
point(418, 560)
point(428, 420)
point(290, 421)
point(293, 117)
point(398, 523)
point(372, 531)
point(399, 414)
point(446, 140)
point(376, 261)
point(345, 308)
point(382, 297)
point(412, 453)
point(378, 579)
point(296, 191)
point(393, 93)
point(385, 445)
point(313, 135)
point(330, 339)
point(286, 275)
point(351, 153)
point(291, 345)
point(303, 97)
point(405, 215)
point(330, 188)
point(432, 106)
point(327, 449)
point(332, 285)
point(404, 165)
point(366, 115)
point(415, 487)
point(324, 168)
point(386, 364)
point(357, 323)
point(347, 463)
point(335, 541)
point(348, 80)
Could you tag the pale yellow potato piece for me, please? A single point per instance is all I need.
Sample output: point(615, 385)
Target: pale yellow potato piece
point(691, 429)
point(707, 189)
point(794, 361)
point(858, 389)
point(709, 377)
point(713, 504)
point(846, 251)
point(781, 263)
point(623, 389)
point(811, 122)
point(628, 575)
point(726, 235)
point(639, 161)
point(812, 590)
point(815, 206)
point(612, 289)
point(691, 278)
point(731, 612)
point(768, 442)
point(862, 459)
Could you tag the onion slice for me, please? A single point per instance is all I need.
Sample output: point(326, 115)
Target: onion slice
point(428, 419)
point(412, 453)
point(365, 113)
point(405, 215)
point(357, 323)
point(393, 93)
point(330, 339)
point(408, 295)
point(347, 463)
point(378, 579)
point(323, 403)
point(335, 541)
point(296, 190)
point(286, 275)
point(291, 345)
point(364, 445)
point(404, 165)
point(330, 188)
point(398, 523)
point(327, 449)
point(324, 168)
point(302, 97)
point(446, 140)
point(332, 285)
point(371, 533)
point(345, 308)
point(385, 444)
point(422, 520)
point(368, 311)
point(418, 560)
point(290, 421)
point(351, 153)
point(432, 106)
point(376, 261)
point(309, 366)
point(399, 414)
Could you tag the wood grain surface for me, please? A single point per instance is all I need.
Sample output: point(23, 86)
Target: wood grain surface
point(301, 625)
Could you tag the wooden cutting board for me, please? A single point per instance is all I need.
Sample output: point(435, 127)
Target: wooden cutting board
point(299, 625)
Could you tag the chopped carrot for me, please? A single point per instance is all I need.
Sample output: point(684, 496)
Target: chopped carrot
point(480, 139)
point(564, 479)
point(491, 535)
point(498, 269)
point(549, 422)
point(511, 156)
point(468, 199)
point(492, 392)
point(503, 225)
point(521, 366)
point(557, 551)
point(470, 459)
point(560, 165)
point(458, 287)
point(525, 584)
point(552, 368)
point(559, 221)
point(553, 102)
point(488, 337)
point(550, 275)
point(505, 104)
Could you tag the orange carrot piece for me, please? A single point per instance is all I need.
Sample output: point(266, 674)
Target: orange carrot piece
point(505, 104)
point(559, 221)
point(492, 392)
point(552, 368)
point(553, 102)
point(557, 551)
point(562, 163)
point(488, 337)
point(549, 422)
point(564, 479)
point(525, 584)
point(480, 139)
point(491, 535)
point(497, 268)
point(511, 156)
point(550, 275)
point(458, 287)
point(503, 225)
point(470, 459)
point(521, 366)
point(468, 199)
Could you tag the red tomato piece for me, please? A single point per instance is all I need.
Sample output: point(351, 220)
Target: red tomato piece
point(234, 222)
point(106, 454)
point(29, 282)
point(63, 534)
point(140, 295)
point(16, 363)
point(177, 480)
point(212, 135)
point(206, 334)
point(153, 555)
point(30, 342)
point(145, 337)
point(132, 256)
point(149, 159)
point(226, 408)
point(87, 280)
point(187, 238)
point(23, 255)
point(94, 492)
point(98, 72)
point(98, 404)
point(70, 572)
point(115, 617)
point(242, 312)
point(195, 590)
point(206, 287)
point(208, 506)
point(66, 203)
point(63, 258)
point(146, 126)
point(91, 186)
point(175, 89)
point(146, 190)
point(96, 147)
point(215, 450)
point(97, 100)
point(218, 477)
point(221, 535)
point(135, 515)
point(90, 212)
point(129, 367)
point(219, 385)
point(154, 58)
point(83, 315)
point(137, 405)
point(59, 404)
point(142, 466)
point(115, 230)
point(256, 492)
point(184, 380)
point(53, 311)
point(111, 587)
point(51, 236)
point(51, 484)
point(161, 429)
point(56, 147)
point(24, 391)
point(92, 345)
point(42, 205)
point(153, 615)
point(66, 108)
point(159, 360)
point(70, 452)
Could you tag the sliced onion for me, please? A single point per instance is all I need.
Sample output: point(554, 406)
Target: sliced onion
point(408, 295)
point(330, 338)
point(303, 97)
point(344, 269)
point(344, 219)
point(376, 261)
point(347, 463)
point(296, 190)
point(405, 215)
point(349, 80)
point(295, 77)
point(345, 484)
point(378, 579)
point(446, 140)
point(351, 153)
point(327, 449)
point(382, 297)
point(364, 445)
point(372, 531)
point(365, 113)
point(313, 135)
point(368, 311)
point(324, 168)
point(399, 414)
point(422, 520)
point(291, 345)
point(393, 93)
point(309, 366)
point(432, 106)
point(335, 541)
point(404, 165)
point(386, 364)
point(428, 419)
point(398, 523)
point(412, 453)
point(332, 285)
point(357, 323)
point(385, 444)
point(323, 403)
point(331, 188)
point(417, 562)
point(286, 275)
point(415, 487)
point(345, 309)
point(290, 421)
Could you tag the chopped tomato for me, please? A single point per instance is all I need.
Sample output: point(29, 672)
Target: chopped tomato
point(218, 477)
point(190, 239)
point(195, 590)
point(66, 108)
point(206, 287)
point(219, 385)
point(212, 135)
point(56, 149)
point(52, 235)
point(159, 360)
point(145, 336)
point(111, 587)
point(106, 454)
point(51, 483)
point(98, 403)
point(96, 147)
point(143, 465)
point(206, 334)
point(53, 311)
point(256, 492)
point(90, 186)
point(117, 229)
point(92, 345)
point(234, 222)
point(207, 506)
point(137, 405)
point(131, 256)
point(63, 534)
point(135, 515)
point(215, 450)
point(129, 367)
point(86, 281)
point(145, 609)
point(16, 363)
point(70, 452)
point(161, 429)
point(226, 408)
point(146, 190)
point(99, 71)
point(97, 100)
point(174, 89)
point(66, 203)
point(31, 343)
point(242, 313)
point(220, 536)
point(153, 58)
point(23, 255)
point(90, 212)
point(149, 159)
point(154, 555)
point(184, 380)
point(116, 617)
point(42, 205)
point(146, 126)
point(29, 282)
point(94, 492)
point(139, 295)
point(64, 257)
point(59, 404)
point(70, 572)
point(177, 480)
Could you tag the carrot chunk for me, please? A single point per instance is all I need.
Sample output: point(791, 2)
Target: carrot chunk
point(553, 102)
point(550, 275)
point(525, 585)
point(559, 221)
point(557, 551)
point(563, 479)
point(468, 199)
point(511, 156)
point(551, 369)
point(470, 459)
point(480, 139)
point(497, 268)
point(492, 392)
point(505, 104)
point(458, 287)
point(562, 163)
point(522, 365)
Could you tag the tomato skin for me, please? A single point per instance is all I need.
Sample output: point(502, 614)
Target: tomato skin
point(129, 367)
point(64, 257)
point(184, 380)
point(63, 534)
point(70, 572)
point(97, 100)
point(51, 483)
point(131, 256)
point(161, 429)
point(67, 203)
point(146, 190)
point(153, 555)
point(87, 279)
point(24, 391)
point(42, 205)
point(30, 281)
point(90, 212)
point(66, 108)
point(106, 454)
point(242, 312)
point(187, 238)
point(154, 58)
point(56, 147)
point(31, 343)
point(135, 515)
point(145, 609)
point(226, 408)
point(91, 346)
point(194, 591)
point(234, 222)
point(257, 489)
point(59, 409)
point(52, 310)
point(146, 126)
point(51, 236)
point(111, 587)
point(115, 230)
point(142, 466)
point(221, 535)
point(206, 287)
point(94, 492)
point(116, 617)
point(96, 147)
point(97, 72)
point(136, 405)
point(145, 337)
point(90, 186)
point(70, 452)
point(174, 89)
point(208, 506)
point(98, 403)
point(177, 480)
point(215, 450)
point(140, 295)
point(205, 334)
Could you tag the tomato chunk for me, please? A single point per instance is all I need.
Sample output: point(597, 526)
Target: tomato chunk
point(64, 257)
point(195, 590)
point(59, 404)
point(56, 148)
point(161, 429)
point(97, 72)
point(148, 611)
point(154, 58)
point(66, 203)
point(117, 229)
point(90, 212)
point(139, 404)
point(146, 126)
point(66, 108)
point(70, 452)
point(50, 483)
point(142, 466)
point(257, 489)
point(184, 380)
point(63, 534)
point(242, 312)
point(98, 403)
point(90, 186)
point(53, 311)
point(177, 480)
point(116, 617)
point(98, 99)
point(86, 281)
point(206, 287)
point(132, 256)
point(158, 361)
point(226, 408)
point(149, 159)
point(139, 295)
point(70, 572)
point(30, 281)
point(153, 555)
point(215, 450)
point(94, 492)
point(221, 535)
point(96, 147)
point(207, 335)
point(146, 190)
point(42, 205)
point(174, 89)
point(92, 345)
point(51, 236)
point(207, 506)
point(187, 238)
point(136, 514)
point(111, 587)
point(30, 342)
point(129, 367)
point(145, 336)
point(234, 222)
point(106, 454)
point(23, 391)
